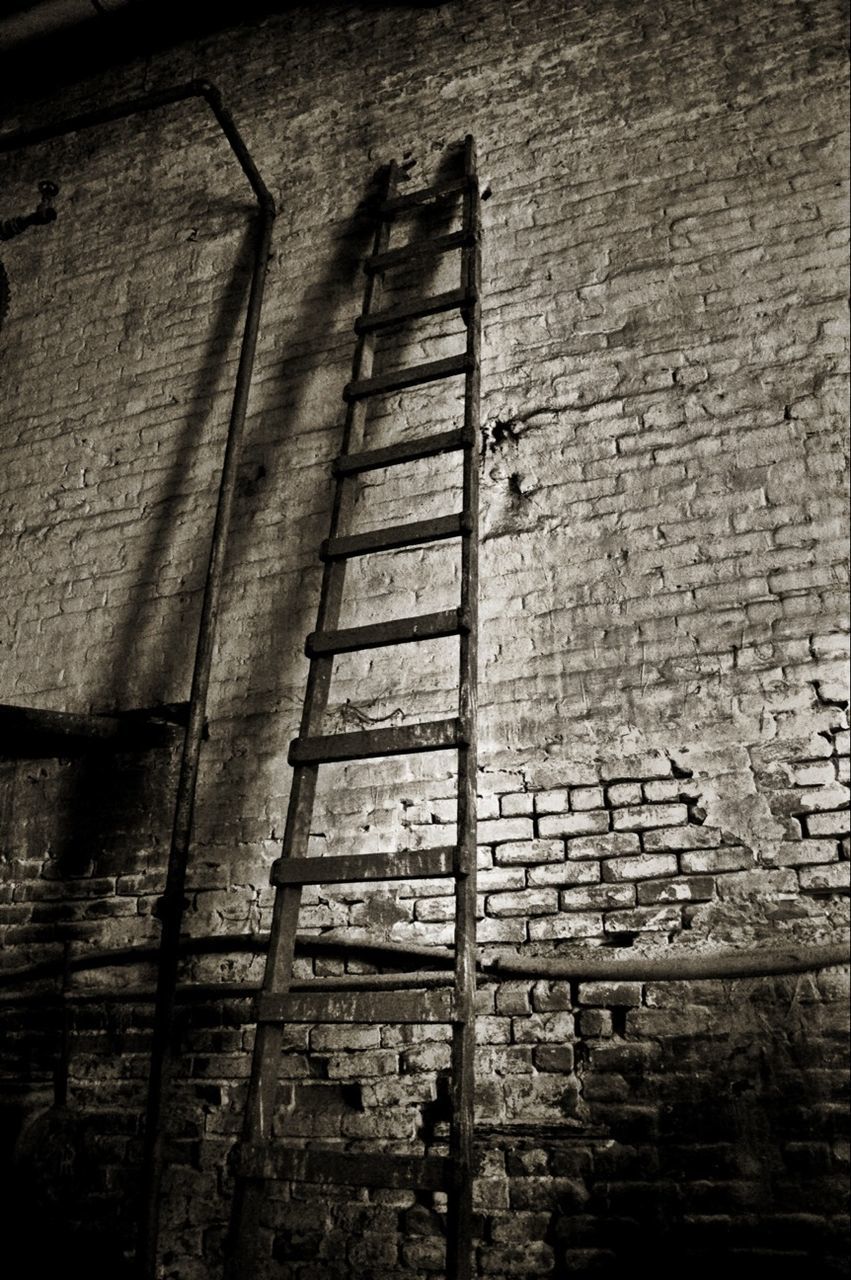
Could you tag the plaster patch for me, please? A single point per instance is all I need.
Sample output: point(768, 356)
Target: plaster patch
point(728, 797)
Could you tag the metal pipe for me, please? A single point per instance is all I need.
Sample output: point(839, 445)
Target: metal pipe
point(577, 966)
point(172, 901)
point(171, 904)
point(674, 968)
point(17, 139)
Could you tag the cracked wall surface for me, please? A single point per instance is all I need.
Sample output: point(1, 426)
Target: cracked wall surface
point(664, 756)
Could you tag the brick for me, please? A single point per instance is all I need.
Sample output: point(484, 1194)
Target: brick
point(533, 1258)
point(432, 1057)
point(829, 824)
point(491, 930)
point(580, 924)
point(610, 994)
point(552, 801)
point(601, 897)
point(549, 996)
point(686, 889)
point(493, 880)
point(574, 824)
point(381, 1062)
point(530, 852)
point(500, 830)
point(529, 902)
point(813, 775)
point(644, 919)
point(817, 799)
point(595, 1023)
point(602, 846)
point(565, 873)
point(621, 793)
point(435, 909)
point(583, 798)
point(516, 804)
point(642, 817)
point(761, 883)
point(490, 1031)
point(553, 1057)
point(707, 861)
point(833, 878)
point(680, 838)
point(663, 790)
point(513, 998)
point(796, 853)
point(645, 867)
point(543, 1028)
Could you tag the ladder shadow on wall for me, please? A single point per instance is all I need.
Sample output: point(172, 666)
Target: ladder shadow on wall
point(111, 792)
point(275, 657)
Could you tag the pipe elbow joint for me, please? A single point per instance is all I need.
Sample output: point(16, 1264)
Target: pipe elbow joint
point(206, 89)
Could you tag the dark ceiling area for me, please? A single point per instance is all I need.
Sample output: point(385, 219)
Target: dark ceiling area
point(39, 57)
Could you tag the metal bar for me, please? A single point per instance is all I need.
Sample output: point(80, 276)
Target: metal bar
point(20, 138)
point(63, 1059)
point(582, 964)
point(263, 1082)
point(459, 1247)
point(172, 902)
point(171, 911)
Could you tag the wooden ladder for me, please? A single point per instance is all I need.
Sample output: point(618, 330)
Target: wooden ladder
point(408, 998)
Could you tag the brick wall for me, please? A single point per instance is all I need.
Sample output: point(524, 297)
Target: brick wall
point(663, 685)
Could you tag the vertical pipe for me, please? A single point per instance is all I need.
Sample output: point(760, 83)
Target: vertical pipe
point(171, 903)
point(63, 1059)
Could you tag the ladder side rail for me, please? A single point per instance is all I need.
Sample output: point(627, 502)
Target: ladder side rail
point(459, 1223)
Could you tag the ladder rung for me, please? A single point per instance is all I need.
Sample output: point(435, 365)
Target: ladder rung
point(418, 249)
point(431, 735)
point(418, 980)
point(415, 376)
point(426, 195)
point(414, 310)
point(356, 1006)
point(395, 536)
point(406, 451)
point(360, 1169)
point(427, 626)
point(408, 864)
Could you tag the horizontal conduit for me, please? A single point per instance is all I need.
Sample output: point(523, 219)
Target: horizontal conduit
point(577, 965)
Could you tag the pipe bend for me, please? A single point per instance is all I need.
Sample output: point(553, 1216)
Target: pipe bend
point(206, 89)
